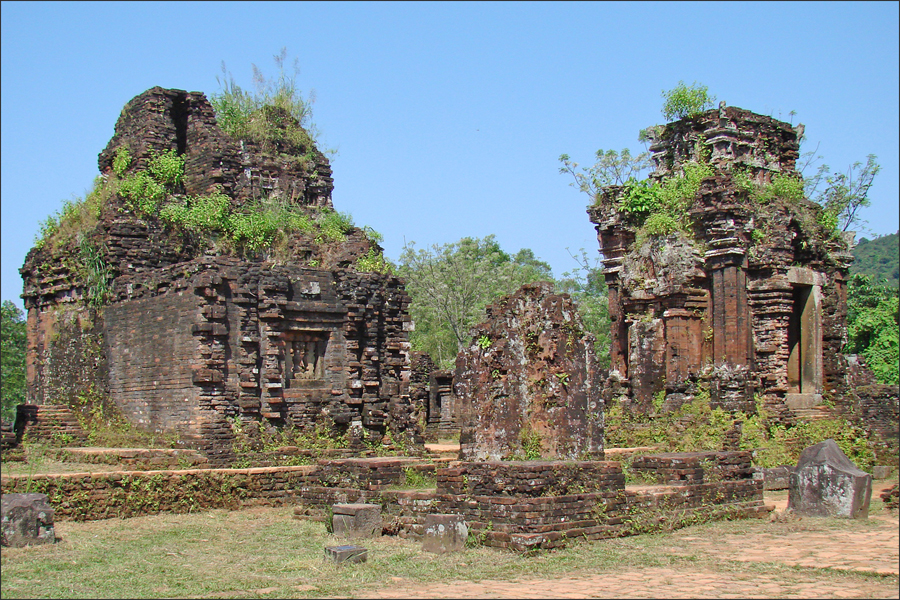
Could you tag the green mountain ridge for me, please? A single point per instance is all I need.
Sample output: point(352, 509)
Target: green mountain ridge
point(878, 258)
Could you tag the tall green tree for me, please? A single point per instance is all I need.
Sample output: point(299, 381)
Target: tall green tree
point(844, 194)
point(12, 353)
point(873, 327)
point(587, 286)
point(451, 284)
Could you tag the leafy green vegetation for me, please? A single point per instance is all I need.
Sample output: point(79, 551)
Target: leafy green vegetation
point(686, 101)
point(611, 168)
point(662, 209)
point(276, 115)
point(450, 285)
point(695, 426)
point(374, 262)
point(76, 217)
point(845, 194)
point(12, 334)
point(586, 284)
point(873, 327)
point(878, 258)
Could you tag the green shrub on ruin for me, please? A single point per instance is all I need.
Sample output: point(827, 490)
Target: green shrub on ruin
point(374, 262)
point(76, 217)
point(167, 168)
point(276, 113)
point(686, 101)
point(662, 209)
point(333, 226)
point(695, 426)
point(784, 186)
point(95, 272)
point(121, 161)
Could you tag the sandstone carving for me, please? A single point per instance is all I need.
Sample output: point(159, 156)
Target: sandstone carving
point(827, 484)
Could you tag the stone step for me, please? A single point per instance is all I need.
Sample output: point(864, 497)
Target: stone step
point(51, 421)
point(815, 413)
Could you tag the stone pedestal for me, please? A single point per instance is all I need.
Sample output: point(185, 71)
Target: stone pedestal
point(27, 519)
point(444, 533)
point(356, 520)
point(826, 484)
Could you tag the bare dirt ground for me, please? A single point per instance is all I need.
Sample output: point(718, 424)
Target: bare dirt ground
point(823, 562)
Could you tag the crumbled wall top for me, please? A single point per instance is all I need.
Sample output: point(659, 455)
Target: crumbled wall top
point(155, 122)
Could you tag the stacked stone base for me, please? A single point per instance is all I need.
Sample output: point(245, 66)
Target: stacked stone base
point(523, 517)
point(54, 423)
point(546, 514)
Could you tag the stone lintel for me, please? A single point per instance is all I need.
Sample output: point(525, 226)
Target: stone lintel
point(803, 276)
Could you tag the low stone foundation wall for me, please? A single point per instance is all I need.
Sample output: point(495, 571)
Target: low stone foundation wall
point(143, 459)
point(500, 521)
point(119, 494)
point(523, 510)
point(529, 478)
point(367, 473)
point(694, 467)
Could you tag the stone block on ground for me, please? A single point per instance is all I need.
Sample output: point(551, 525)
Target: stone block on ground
point(444, 533)
point(341, 554)
point(526, 543)
point(882, 471)
point(891, 497)
point(27, 519)
point(827, 484)
point(775, 478)
point(356, 520)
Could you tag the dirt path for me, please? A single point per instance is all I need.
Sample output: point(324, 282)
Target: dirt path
point(826, 564)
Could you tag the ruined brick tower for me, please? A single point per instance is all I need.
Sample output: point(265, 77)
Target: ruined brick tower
point(749, 297)
point(187, 336)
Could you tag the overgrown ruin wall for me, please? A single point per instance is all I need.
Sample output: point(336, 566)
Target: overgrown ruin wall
point(521, 506)
point(528, 384)
point(724, 299)
point(189, 337)
point(749, 300)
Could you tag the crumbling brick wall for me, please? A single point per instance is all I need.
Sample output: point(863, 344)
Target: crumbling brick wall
point(717, 304)
point(188, 337)
point(529, 381)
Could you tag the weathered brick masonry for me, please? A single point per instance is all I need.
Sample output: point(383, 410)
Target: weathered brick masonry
point(525, 504)
point(190, 338)
point(517, 505)
point(751, 299)
point(529, 382)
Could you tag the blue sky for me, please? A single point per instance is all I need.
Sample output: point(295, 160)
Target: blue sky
point(448, 118)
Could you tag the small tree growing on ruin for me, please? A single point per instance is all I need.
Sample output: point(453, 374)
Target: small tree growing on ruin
point(686, 101)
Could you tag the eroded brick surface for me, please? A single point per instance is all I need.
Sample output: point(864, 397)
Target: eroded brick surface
point(190, 338)
point(528, 384)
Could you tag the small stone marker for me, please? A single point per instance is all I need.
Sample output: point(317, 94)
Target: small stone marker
point(827, 484)
point(356, 520)
point(444, 533)
point(27, 519)
point(340, 554)
point(882, 471)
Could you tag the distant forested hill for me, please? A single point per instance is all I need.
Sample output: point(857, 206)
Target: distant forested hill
point(878, 258)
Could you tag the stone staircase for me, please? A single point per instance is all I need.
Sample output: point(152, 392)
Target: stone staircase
point(814, 413)
point(55, 423)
